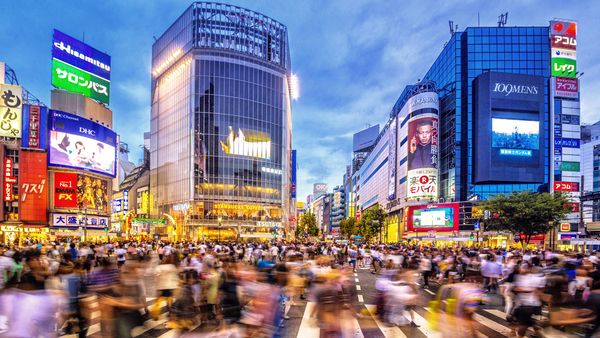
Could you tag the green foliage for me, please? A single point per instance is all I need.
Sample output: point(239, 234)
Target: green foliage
point(348, 227)
point(308, 221)
point(371, 222)
point(526, 213)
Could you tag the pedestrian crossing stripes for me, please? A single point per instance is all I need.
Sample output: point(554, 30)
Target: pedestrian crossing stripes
point(489, 323)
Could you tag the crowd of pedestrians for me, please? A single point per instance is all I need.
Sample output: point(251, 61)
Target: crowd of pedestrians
point(252, 286)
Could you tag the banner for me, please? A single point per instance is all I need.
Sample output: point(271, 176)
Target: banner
point(11, 103)
point(72, 221)
point(65, 190)
point(33, 195)
point(81, 55)
point(35, 127)
point(75, 80)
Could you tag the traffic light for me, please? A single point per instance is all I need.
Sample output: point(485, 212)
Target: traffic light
point(472, 237)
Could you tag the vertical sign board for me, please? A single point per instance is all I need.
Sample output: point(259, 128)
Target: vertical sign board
point(35, 130)
point(33, 193)
point(11, 106)
point(563, 41)
point(293, 186)
point(392, 159)
point(422, 146)
point(9, 180)
point(80, 68)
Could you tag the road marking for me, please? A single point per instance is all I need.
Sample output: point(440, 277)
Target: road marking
point(307, 326)
point(358, 287)
point(361, 299)
point(171, 334)
point(497, 313)
point(493, 325)
point(388, 331)
point(424, 325)
point(356, 280)
point(429, 292)
point(355, 274)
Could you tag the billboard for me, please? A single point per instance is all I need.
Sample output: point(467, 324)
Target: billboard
point(249, 143)
point(92, 193)
point(365, 138)
point(33, 195)
point(65, 190)
point(79, 143)
point(422, 146)
point(71, 221)
point(565, 87)
point(293, 186)
point(563, 41)
point(392, 159)
point(35, 130)
point(508, 128)
point(9, 179)
point(80, 68)
point(436, 217)
point(11, 106)
point(566, 186)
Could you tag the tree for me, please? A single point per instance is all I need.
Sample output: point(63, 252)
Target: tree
point(525, 213)
point(308, 221)
point(348, 227)
point(371, 222)
point(299, 231)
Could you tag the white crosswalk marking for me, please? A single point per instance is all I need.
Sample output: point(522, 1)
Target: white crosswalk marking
point(424, 326)
point(388, 331)
point(361, 299)
point(358, 288)
point(308, 327)
point(492, 324)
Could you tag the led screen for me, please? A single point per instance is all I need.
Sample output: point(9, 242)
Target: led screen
point(79, 143)
point(433, 218)
point(515, 137)
point(248, 143)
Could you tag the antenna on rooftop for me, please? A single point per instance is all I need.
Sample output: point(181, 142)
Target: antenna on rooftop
point(453, 28)
point(502, 19)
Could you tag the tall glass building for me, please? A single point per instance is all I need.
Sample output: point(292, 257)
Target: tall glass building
point(221, 124)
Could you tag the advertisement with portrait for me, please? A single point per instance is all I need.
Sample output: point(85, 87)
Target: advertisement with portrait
point(92, 193)
point(422, 147)
point(433, 217)
point(65, 190)
point(33, 194)
point(508, 128)
point(79, 143)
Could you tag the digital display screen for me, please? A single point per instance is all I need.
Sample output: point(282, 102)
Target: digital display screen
point(79, 143)
point(515, 137)
point(249, 143)
point(433, 218)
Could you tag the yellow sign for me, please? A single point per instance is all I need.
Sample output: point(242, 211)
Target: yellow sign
point(10, 110)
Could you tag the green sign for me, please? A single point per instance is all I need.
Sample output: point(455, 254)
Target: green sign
point(569, 166)
point(149, 220)
point(565, 67)
point(65, 76)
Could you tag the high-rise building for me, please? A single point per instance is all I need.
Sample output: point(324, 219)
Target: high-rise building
point(221, 125)
point(338, 207)
point(497, 112)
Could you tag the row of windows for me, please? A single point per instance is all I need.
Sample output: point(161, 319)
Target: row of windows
point(506, 31)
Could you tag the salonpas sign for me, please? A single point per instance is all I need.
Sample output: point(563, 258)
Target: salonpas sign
point(80, 68)
point(75, 80)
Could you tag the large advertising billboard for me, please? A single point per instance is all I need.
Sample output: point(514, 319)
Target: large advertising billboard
point(79, 68)
point(33, 195)
point(422, 147)
point(11, 106)
point(563, 41)
point(79, 143)
point(508, 128)
point(249, 143)
point(79, 191)
point(35, 127)
point(433, 217)
point(65, 190)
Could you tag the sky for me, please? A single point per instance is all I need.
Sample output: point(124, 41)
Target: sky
point(353, 58)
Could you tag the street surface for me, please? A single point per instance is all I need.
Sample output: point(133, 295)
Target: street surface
point(490, 320)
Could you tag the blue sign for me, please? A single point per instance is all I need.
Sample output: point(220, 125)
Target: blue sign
point(293, 187)
point(35, 127)
point(557, 130)
point(566, 142)
point(125, 200)
point(76, 142)
point(477, 225)
point(81, 55)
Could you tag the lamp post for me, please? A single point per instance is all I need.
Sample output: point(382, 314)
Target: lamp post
point(219, 231)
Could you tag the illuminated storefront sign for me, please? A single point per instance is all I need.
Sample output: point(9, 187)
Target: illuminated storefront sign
point(566, 87)
point(65, 190)
point(563, 40)
point(433, 217)
point(125, 200)
point(9, 180)
point(33, 187)
point(72, 220)
point(10, 110)
point(35, 132)
point(566, 186)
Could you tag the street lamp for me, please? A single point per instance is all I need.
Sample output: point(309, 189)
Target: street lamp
point(219, 231)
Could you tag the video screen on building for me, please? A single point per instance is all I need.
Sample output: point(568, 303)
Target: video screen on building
point(515, 137)
point(79, 143)
point(249, 143)
point(433, 218)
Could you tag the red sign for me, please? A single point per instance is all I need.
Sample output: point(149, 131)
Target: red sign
point(566, 42)
point(33, 190)
point(565, 227)
point(65, 190)
point(9, 180)
point(573, 206)
point(566, 87)
point(566, 186)
point(34, 126)
point(566, 28)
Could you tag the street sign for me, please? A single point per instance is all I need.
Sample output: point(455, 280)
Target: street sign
point(477, 225)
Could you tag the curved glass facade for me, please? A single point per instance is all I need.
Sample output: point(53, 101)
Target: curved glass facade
point(221, 123)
